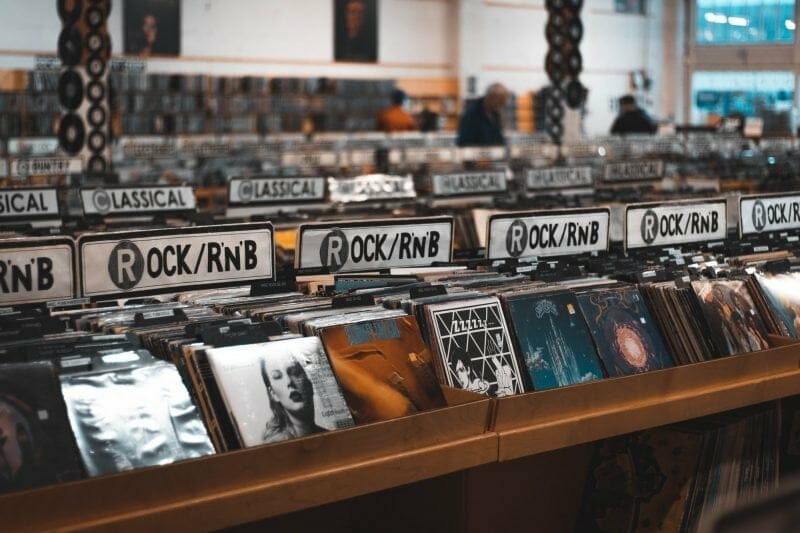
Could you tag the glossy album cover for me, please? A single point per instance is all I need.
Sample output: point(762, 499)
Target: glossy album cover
point(133, 417)
point(782, 292)
point(554, 341)
point(624, 333)
point(279, 390)
point(475, 351)
point(36, 444)
point(732, 316)
point(384, 367)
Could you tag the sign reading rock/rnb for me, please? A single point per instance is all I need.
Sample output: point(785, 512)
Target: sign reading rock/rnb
point(548, 233)
point(765, 213)
point(137, 200)
point(675, 223)
point(375, 244)
point(152, 261)
point(36, 270)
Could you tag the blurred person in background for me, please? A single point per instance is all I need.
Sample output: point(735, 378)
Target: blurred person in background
point(395, 117)
point(481, 123)
point(631, 118)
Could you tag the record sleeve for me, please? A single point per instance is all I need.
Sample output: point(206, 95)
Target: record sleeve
point(36, 444)
point(279, 390)
point(553, 340)
point(782, 293)
point(133, 417)
point(474, 350)
point(384, 367)
point(624, 333)
point(735, 323)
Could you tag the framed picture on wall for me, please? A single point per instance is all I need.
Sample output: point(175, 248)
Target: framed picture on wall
point(355, 30)
point(152, 27)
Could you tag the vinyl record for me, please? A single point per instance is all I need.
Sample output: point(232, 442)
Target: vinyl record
point(69, 11)
point(95, 17)
point(95, 91)
point(96, 141)
point(71, 133)
point(556, 131)
point(574, 63)
point(575, 5)
point(70, 89)
point(555, 5)
point(96, 116)
point(575, 94)
point(555, 111)
point(555, 37)
point(97, 164)
point(96, 66)
point(574, 30)
point(95, 42)
point(69, 46)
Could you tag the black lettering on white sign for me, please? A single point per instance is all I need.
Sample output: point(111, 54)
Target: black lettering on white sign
point(154, 261)
point(36, 270)
point(469, 183)
point(548, 233)
point(371, 187)
point(674, 223)
point(558, 178)
point(375, 244)
point(137, 200)
point(766, 213)
point(634, 171)
point(46, 166)
point(277, 190)
point(28, 204)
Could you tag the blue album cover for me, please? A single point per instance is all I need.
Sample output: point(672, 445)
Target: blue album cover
point(554, 341)
point(625, 334)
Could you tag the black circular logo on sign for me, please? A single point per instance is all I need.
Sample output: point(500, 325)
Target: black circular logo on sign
point(649, 226)
point(126, 265)
point(516, 238)
point(245, 191)
point(334, 250)
point(101, 201)
point(759, 215)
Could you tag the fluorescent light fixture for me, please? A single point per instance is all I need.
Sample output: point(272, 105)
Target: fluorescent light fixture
point(790, 25)
point(715, 18)
point(737, 21)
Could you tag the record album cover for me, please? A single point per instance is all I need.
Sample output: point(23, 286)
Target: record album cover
point(782, 292)
point(624, 333)
point(384, 367)
point(36, 445)
point(133, 417)
point(732, 316)
point(279, 390)
point(473, 347)
point(554, 342)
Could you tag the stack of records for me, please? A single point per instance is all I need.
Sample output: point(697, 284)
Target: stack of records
point(777, 298)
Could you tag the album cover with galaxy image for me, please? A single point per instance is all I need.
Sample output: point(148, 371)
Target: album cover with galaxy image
point(735, 323)
point(384, 367)
point(624, 333)
point(553, 340)
point(474, 351)
point(36, 444)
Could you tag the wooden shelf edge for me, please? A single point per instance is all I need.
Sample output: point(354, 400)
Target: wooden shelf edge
point(237, 505)
point(658, 411)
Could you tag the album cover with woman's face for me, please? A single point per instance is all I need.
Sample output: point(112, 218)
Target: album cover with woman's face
point(36, 444)
point(553, 339)
point(732, 316)
point(627, 339)
point(133, 417)
point(279, 390)
point(472, 343)
point(384, 367)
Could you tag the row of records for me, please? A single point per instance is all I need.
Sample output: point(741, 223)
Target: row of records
point(146, 262)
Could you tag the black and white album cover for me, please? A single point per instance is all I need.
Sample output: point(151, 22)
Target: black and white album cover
point(474, 350)
point(279, 390)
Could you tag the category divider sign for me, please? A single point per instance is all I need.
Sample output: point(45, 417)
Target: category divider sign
point(271, 191)
point(359, 246)
point(137, 200)
point(45, 166)
point(469, 183)
point(662, 224)
point(770, 212)
point(134, 263)
point(634, 170)
point(28, 204)
point(36, 270)
point(371, 187)
point(551, 233)
point(537, 179)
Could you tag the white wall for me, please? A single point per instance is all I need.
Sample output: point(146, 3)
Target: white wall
point(493, 40)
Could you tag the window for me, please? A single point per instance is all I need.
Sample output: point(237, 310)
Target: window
point(769, 95)
point(745, 21)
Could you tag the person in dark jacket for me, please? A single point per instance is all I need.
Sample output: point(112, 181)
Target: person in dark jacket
point(481, 123)
point(631, 118)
